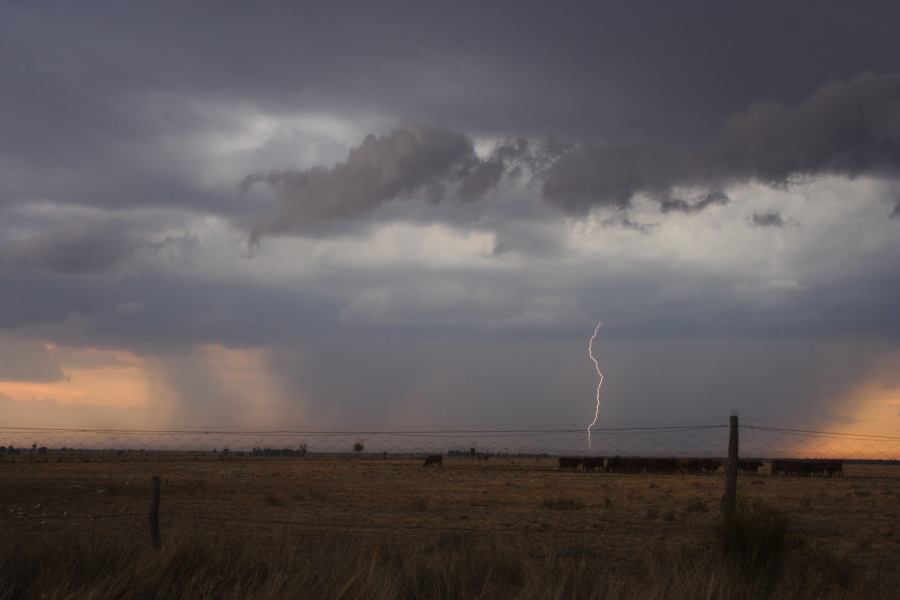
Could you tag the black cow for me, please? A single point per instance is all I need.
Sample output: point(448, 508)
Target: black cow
point(749, 466)
point(592, 463)
point(625, 464)
point(834, 468)
point(434, 460)
point(569, 463)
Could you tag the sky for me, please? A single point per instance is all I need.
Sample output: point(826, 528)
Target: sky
point(413, 214)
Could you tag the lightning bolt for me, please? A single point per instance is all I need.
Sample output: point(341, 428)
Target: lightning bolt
point(600, 383)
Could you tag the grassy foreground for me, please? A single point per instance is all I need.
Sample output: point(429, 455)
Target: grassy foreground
point(507, 528)
point(194, 565)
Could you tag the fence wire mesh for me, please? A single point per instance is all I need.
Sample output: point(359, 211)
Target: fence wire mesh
point(664, 441)
point(782, 442)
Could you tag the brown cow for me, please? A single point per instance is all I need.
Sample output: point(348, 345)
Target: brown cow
point(434, 460)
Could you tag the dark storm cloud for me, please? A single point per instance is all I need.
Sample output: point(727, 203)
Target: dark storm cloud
point(845, 128)
point(163, 107)
point(767, 219)
point(94, 93)
point(81, 248)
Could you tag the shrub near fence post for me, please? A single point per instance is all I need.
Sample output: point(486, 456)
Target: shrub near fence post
point(729, 500)
point(154, 513)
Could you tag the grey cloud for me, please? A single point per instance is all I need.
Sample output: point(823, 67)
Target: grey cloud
point(434, 163)
point(711, 198)
point(896, 212)
point(845, 128)
point(767, 219)
point(27, 360)
point(81, 248)
point(608, 176)
point(130, 308)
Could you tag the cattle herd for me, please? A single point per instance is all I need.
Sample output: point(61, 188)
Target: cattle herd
point(636, 464)
point(807, 468)
point(631, 464)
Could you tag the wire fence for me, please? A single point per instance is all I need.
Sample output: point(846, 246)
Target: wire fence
point(703, 441)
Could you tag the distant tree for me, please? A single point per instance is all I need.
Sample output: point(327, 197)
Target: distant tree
point(358, 447)
point(301, 449)
point(42, 450)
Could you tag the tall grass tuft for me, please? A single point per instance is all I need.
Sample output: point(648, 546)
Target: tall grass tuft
point(755, 539)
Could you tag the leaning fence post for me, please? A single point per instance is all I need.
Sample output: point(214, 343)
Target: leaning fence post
point(729, 500)
point(154, 513)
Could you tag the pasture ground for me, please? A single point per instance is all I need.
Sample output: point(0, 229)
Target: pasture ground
point(607, 523)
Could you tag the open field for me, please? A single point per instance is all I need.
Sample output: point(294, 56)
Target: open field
point(613, 522)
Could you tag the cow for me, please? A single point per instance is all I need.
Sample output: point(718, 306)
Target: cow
point(592, 463)
point(749, 466)
point(792, 468)
point(625, 464)
point(710, 465)
point(688, 465)
point(570, 463)
point(434, 460)
point(661, 465)
point(834, 468)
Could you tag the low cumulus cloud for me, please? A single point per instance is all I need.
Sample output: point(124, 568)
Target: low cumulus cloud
point(432, 163)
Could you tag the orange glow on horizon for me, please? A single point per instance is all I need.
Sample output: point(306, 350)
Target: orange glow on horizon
point(115, 379)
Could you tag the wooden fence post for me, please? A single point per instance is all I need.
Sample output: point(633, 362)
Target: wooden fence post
point(729, 500)
point(154, 513)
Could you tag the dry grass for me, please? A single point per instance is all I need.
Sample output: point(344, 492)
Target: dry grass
point(331, 528)
point(464, 566)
